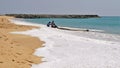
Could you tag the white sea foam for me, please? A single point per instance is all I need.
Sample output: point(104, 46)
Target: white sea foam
point(64, 50)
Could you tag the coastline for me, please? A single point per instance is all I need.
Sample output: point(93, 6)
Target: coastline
point(16, 50)
point(68, 50)
point(92, 33)
point(103, 24)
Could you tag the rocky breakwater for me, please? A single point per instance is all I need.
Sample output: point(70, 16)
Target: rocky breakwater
point(51, 16)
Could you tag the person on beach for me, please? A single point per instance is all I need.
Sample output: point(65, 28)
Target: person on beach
point(53, 25)
point(48, 24)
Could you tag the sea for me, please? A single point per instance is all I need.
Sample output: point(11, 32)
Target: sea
point(105, 27)
point(108, 24)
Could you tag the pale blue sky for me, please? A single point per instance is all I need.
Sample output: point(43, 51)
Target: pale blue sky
point(100, 7)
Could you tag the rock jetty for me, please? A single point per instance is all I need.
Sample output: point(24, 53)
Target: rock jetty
point(50, 16)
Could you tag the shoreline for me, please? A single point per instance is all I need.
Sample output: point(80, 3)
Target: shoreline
point(102, 25)
point(96, 35)
point(92, 33)
point(16, 50)
point(66, 50)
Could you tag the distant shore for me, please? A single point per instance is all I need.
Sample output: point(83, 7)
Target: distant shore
point(51, 16)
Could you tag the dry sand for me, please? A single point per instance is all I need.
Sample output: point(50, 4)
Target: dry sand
point(16, 51)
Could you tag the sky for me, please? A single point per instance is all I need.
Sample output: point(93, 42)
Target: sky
point(99, 7)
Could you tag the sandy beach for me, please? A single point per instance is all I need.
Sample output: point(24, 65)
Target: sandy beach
point(16, 50)
point(59, 34)
point(61, 49)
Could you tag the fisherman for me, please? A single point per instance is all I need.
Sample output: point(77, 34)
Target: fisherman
point(53, 25)
point(48, 24)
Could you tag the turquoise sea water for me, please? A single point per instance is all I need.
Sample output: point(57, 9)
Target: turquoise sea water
point(109, 24)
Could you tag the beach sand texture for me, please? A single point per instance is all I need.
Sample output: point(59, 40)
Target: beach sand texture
point(16, 51)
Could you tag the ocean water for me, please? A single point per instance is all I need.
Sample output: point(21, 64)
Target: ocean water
point(108, 24)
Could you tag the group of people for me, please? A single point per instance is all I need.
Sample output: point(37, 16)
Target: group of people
point(52, 24)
